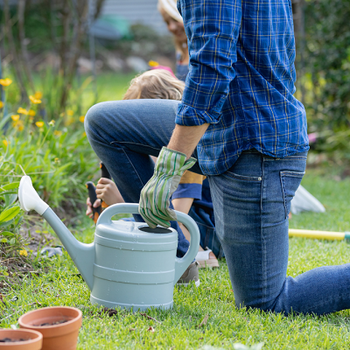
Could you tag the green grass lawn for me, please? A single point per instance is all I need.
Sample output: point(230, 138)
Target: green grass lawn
point(181, 328)
point(110, 87)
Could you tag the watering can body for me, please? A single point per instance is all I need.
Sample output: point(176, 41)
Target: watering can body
point(129, 265)
point(133, 268)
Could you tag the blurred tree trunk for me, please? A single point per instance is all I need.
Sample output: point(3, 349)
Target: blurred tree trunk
point(24, 58)
point(67, 21)
point(80, 9)
point(99, 4)
point(19, 76)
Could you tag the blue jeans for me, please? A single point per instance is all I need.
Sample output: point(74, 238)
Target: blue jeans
point(122, 134)
point(204, 219)
point(251, 206)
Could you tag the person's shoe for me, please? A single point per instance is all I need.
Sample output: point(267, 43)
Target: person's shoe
point(206, 258)
point(191, 274)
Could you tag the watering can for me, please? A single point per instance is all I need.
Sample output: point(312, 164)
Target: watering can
point(129, 265)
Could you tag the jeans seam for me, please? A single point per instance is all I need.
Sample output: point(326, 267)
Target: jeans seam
point(126, 143)
point(231, 174)
point(131, 163)
point(263, 241)
point(283, 174)
point(283, 194)
point(293, 173)
point(290, 158)
point(204, 225)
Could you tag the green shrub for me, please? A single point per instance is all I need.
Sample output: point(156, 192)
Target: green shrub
point(145, 42)
point(327, 63)
point(56, 155)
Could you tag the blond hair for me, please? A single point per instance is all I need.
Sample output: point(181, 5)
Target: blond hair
point(155, 84)
point(170, 7)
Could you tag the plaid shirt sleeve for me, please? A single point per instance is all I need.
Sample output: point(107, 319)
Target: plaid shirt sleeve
point(212, 28)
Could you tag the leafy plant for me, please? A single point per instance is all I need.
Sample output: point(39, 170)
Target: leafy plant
point(9, 219)
point(328, 65)
point(56, 26)
point(56, 155)
point(11, 242)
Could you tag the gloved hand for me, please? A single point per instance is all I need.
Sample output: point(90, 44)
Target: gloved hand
point(155, 196)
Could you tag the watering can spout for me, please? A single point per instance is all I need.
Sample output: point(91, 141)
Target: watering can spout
point(83, 255)
point(29, 198)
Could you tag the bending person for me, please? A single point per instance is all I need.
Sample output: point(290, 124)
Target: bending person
point(192, 196)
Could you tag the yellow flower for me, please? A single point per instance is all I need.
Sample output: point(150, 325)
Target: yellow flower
point(6, 143)
point(70, 112)
point(31, 113)
point(15, 117)
point(5, 82)
point(57, 133)
point(153, 64)
point(23, 252)
point(1, 104)
point(38, 95)
point(69, 121)
point(52, 123)
point(19, 125)
point(31, 119)
point(34, 100)
point(39, 124)
point(57, 161)
point(22, 111)
point(82, 118)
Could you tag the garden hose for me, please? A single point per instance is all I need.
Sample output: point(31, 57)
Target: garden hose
point(320, 234)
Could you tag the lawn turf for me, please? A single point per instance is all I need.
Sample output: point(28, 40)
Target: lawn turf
point(183, 326)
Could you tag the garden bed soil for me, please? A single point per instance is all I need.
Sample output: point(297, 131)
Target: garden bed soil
point(34, 238)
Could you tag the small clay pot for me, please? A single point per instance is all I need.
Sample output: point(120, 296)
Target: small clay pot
point(59, 326)
point(33, 339)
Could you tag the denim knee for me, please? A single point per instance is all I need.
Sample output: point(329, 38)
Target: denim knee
point(92, 116)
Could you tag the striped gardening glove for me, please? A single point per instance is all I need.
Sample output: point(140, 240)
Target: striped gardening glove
point(155, 196)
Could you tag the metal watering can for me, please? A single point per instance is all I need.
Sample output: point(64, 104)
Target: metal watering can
point(129, 265)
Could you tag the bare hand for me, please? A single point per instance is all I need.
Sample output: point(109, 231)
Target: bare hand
point(89, 206)
point(107, 191)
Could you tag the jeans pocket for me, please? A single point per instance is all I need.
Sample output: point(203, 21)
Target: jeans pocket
point(245, 178)
point(290, 181)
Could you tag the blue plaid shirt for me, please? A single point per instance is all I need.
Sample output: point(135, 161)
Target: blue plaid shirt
point(241, 80)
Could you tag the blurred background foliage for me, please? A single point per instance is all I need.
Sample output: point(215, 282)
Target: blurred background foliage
point(47, 50)
point(41, 43)
point(327, 75)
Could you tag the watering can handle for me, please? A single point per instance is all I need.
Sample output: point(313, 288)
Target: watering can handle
point(181, 264)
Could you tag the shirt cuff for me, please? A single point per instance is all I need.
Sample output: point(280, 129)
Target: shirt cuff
point(188, 191)
point(190, 116)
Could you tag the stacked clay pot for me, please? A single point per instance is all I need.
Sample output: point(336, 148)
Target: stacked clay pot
point(20, 339)
point(59, 326)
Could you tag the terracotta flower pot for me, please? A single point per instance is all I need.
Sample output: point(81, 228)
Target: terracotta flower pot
point(59, 326)
point(33, 340)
